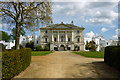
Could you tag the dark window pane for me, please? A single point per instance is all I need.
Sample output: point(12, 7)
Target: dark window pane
point(46, 31)
point(78, 39)
point(55, 39)
point(68, 39)
point(61, 40)
point(45, 39)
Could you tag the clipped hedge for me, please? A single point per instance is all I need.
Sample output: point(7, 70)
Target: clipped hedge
point(112, 56)
point(15, 61)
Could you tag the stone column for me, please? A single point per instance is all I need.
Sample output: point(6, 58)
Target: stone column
point(58, 36)
point(52, 37)
point(66, 37)
point(72, 36)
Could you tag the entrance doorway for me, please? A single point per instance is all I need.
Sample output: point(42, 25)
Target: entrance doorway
point(68, 48)
point(55, 48)
point(62, 48)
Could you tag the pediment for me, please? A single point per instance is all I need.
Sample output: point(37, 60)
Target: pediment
point(61, 26)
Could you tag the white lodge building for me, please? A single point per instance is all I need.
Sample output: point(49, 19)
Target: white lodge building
point(62, 37)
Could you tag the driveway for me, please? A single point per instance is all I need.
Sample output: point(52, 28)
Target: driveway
point(62, 64)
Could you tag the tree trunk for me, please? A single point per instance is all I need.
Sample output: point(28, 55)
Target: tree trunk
point(17, 36)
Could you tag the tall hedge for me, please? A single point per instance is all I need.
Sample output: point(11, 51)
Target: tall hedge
point(112, 56)
point(15, 61)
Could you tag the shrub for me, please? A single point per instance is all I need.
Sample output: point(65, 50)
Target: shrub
point(112, 56)
point(30, 45)
point(47, 47)
point(13, 47)
point(2, 48)
point(15, 61)
point(20, 47)
point(39, 48)
point(76, 48)
point(91, 46)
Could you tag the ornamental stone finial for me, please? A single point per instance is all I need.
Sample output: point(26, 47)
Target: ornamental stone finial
point(51, 22)
point(62, 23)
point(72, 22)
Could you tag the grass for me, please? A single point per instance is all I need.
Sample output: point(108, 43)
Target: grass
point(40, 53)
point(94, 54)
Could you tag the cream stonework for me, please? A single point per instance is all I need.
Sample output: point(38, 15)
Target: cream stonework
point(62, 37)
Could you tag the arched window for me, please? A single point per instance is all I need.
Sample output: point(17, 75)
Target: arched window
point(23, 38)
point(107, 43)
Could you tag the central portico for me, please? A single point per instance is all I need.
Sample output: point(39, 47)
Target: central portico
point(62, 37)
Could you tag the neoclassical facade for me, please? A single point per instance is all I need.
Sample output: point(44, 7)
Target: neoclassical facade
point(62, 37)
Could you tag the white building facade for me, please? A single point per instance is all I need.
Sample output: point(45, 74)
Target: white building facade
point(62, 37)
point(25, 39)
point(100, 41)
point(8, 45)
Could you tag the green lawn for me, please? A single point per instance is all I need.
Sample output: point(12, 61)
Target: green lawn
point(40, 53)
point(94, 54)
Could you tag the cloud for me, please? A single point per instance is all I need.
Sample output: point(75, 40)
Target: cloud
point(93, 12)
point(90, 34)
point(103, 17)
point(115, 36)
point(117, 31)
point(112, 26)
point(85, 0)
point(104, 30)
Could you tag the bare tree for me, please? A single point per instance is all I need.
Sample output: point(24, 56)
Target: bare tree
point(27, 15)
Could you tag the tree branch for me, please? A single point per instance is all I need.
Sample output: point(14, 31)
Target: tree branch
point(14, 6)
point(9, 13)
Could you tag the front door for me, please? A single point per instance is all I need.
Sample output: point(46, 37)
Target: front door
point(62, 48)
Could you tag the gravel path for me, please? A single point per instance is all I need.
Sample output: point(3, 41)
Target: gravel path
point(62, 64)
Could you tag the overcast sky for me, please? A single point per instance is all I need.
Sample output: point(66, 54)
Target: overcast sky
point(98, 17)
